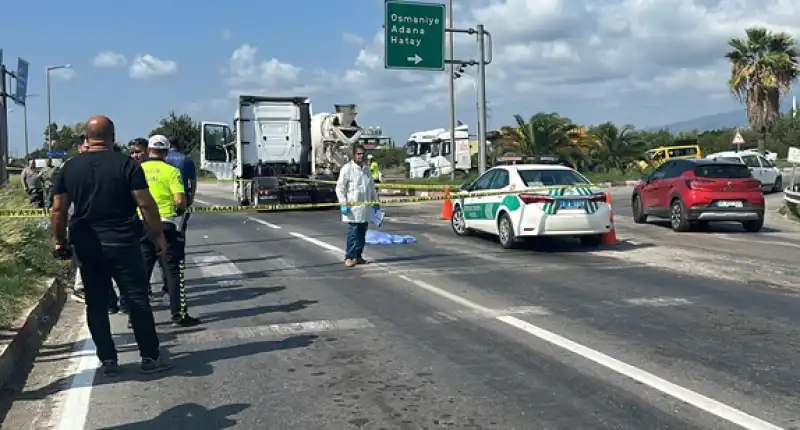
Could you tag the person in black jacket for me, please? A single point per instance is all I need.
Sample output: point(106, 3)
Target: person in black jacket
point(106, 188)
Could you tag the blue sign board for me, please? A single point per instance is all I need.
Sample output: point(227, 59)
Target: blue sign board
point(22, 82)
point(56, 154)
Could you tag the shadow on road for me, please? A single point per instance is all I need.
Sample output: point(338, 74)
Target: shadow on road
point(190, 364)
point(189, 416)
point(294, 306)
point(223, 295)
point(716, 227)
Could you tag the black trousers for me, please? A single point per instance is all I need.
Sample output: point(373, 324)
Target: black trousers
point(99, 263)
point(173, 266)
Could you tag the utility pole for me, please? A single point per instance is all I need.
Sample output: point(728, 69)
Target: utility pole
point(3, 124)
point(452, 83)
point(19, 97)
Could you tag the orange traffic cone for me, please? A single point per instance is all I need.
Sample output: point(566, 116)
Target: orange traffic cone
point(610, 238)
point(447, 206)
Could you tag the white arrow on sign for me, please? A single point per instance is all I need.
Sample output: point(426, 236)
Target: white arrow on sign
point(415, 59)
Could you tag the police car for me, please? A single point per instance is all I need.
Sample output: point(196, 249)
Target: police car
point(539, 200)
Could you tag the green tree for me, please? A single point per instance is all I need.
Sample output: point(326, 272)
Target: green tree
point(544, 134)
point(763, 66)
point(615, 148)
point(184, 128)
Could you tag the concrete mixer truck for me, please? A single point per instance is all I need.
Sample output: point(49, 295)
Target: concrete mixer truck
point(277, 150)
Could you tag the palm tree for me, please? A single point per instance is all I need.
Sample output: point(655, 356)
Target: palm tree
point(763, 67)
point(615, 148)
point(544, 134)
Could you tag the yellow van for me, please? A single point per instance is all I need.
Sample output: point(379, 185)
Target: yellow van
point(658, 156)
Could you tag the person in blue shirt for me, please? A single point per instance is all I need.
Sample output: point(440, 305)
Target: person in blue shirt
point(188, 172)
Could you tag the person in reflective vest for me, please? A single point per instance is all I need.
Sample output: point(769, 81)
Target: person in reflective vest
point(166, 186)
point(374, 169)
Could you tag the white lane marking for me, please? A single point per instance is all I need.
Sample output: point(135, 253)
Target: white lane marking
point(83, 363)
point(224, 335)
point(262, 222)
point(203, 202)
point(695, 399)
point(317, 242)
point(217, 267)
point(659, 301)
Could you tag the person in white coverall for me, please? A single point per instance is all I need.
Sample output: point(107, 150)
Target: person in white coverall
point(355, 185)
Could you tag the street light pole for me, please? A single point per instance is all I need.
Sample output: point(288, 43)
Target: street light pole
point(49, 109)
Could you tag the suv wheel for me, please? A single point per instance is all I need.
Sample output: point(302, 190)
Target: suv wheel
point(458, 223)
point(638, 210)
point(505, 232)
point(778, 185)
point(677, 216)
point(753, 226)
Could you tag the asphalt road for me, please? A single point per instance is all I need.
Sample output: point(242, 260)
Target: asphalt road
point(664, 331)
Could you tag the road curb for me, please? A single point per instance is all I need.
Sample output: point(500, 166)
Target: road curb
point(20, 344)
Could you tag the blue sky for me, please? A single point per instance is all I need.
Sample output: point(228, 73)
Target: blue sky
point(590, 60)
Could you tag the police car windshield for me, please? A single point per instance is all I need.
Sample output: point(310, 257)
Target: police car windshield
point(547, 178)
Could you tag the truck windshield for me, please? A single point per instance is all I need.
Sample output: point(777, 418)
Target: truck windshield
point(548, 178)
point(411, 148)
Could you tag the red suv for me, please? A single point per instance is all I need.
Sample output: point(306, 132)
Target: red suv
point(692, 193)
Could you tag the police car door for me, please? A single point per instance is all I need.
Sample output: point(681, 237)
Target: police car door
point(500, 183)
point(476, 215)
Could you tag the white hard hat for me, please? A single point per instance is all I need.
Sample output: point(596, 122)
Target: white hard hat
point(369, 157)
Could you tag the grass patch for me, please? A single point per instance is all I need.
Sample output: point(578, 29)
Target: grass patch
point(790, 210)
point(26, 248)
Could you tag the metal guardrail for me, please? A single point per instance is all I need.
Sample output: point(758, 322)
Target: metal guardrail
point(791, 196)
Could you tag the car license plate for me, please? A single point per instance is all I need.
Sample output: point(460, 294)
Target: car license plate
point(572, 204)
point(729, 204)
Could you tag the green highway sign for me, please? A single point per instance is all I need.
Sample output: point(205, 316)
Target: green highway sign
point(414, 35)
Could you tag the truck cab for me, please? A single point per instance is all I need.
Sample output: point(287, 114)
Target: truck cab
point(271, 137)
point(429, 153)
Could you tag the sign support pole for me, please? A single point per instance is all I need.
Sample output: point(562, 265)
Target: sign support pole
point(3, 124)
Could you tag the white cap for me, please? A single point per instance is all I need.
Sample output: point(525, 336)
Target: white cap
point(159, 141)
point(369, 157)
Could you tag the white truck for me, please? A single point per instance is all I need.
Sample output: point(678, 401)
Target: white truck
point(429, 153)
point(277, 138)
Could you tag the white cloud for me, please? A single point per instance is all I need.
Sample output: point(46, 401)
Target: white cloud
point(352, 39)
point(647, 62)
point(593, 60)
point(66, 74)
point(246, 74)
point(108, 59)
point(147, 66)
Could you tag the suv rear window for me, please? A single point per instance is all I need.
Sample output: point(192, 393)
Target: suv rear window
point(547, 178)
point(728, 171)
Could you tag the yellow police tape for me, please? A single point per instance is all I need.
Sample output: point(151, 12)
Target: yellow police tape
point(44, 213)
point(385, 185)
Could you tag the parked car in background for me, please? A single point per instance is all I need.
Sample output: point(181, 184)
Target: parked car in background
point(761, 168)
